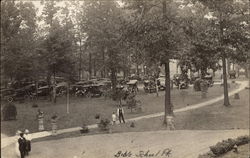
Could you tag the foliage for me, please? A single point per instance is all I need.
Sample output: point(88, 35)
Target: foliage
point(104, 124)
point(227, 145)
point(9, 112)
point(84, 129)
point(18, 26)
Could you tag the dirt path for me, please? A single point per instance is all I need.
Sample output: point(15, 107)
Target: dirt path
point(180, 144)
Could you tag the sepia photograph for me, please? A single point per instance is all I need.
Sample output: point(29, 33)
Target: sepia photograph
point(125, 78)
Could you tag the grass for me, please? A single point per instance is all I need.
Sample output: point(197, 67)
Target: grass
point(83, 110)
point(243, 152)
point(212, 117)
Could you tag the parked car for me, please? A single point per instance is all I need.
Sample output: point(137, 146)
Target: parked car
point(132, 86)
point(209, 79)
point(7, 94)
point(88, 91)
point(149, 86)
point(161, 82)
point(44, 91)
point(232, 74)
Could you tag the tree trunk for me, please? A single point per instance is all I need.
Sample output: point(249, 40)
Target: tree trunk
point(137, 69)
point(90, 65)
point(103, 64)
point(68, 86)
point(226, 98)
point(54, 85)
point(94, 62)
point(168, 108)
point(49, 86)
point(113, 80)
point(80, 62)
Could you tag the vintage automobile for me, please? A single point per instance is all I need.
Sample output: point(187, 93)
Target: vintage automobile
point(44, 91)
point(89, 91)
point(7, 94)
point(149, 86)
point(232, 74)
point(132, 86)
point(161, 82)
point(209, 78)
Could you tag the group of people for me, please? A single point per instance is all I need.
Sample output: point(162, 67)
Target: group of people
point(120, 114)
point(23, 143)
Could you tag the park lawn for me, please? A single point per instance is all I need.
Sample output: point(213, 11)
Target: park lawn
point(83, 110)
point(212, 117)
point(243, 152)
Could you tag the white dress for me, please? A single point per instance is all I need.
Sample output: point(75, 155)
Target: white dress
point(17, 147)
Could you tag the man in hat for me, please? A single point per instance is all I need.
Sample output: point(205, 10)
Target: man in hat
point(28, 141)
point(22, 145)
point(120, 113)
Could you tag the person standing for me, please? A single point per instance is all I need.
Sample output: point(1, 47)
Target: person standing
point(54, 124)
point(120, 113)
point(17, 144)
point(113, 118)
point(28, 141)
point(22, 145)
point(40, 117)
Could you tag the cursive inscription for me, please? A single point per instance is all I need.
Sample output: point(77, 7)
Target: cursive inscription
point(144, 153)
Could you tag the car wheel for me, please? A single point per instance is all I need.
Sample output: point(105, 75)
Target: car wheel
point(10, 99)
point(26, 97)
point(88, 95)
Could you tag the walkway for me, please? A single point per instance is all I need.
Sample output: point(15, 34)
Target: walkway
point(179, 143)
point(7, 141)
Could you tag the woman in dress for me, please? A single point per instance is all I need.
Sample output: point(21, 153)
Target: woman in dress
point(40, 117)
point(54, 119)
point(17, 152)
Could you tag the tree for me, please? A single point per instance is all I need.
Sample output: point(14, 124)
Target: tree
point(103, 23)
point(229, 29)
point(56, 49)
point(18, 39)
point(155, 28)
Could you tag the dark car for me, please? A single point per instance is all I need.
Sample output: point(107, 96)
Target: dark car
point(149, 86)
point(232, 74)
point(209, 79)
point(7, 94)
point(44, 91)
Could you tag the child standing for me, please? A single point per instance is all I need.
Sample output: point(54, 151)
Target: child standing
point(113, 118)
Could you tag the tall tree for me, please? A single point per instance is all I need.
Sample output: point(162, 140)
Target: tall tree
point(103, 22)
point(18, 36)
point(229, 18)
point(156, 29)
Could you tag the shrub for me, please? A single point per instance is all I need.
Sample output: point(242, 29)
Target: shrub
point(104, 124)
point(97, 116)
point(227, 145)
point(9, 112)
point(242, 140)
point(197, 85)
point(84, 129)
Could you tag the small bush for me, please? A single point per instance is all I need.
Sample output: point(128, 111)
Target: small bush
point(227, 145)
point(197, 86)
point(242, 140)
point(97, 116)
point(104, 124)
point(9, 112)
point(84, 129)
